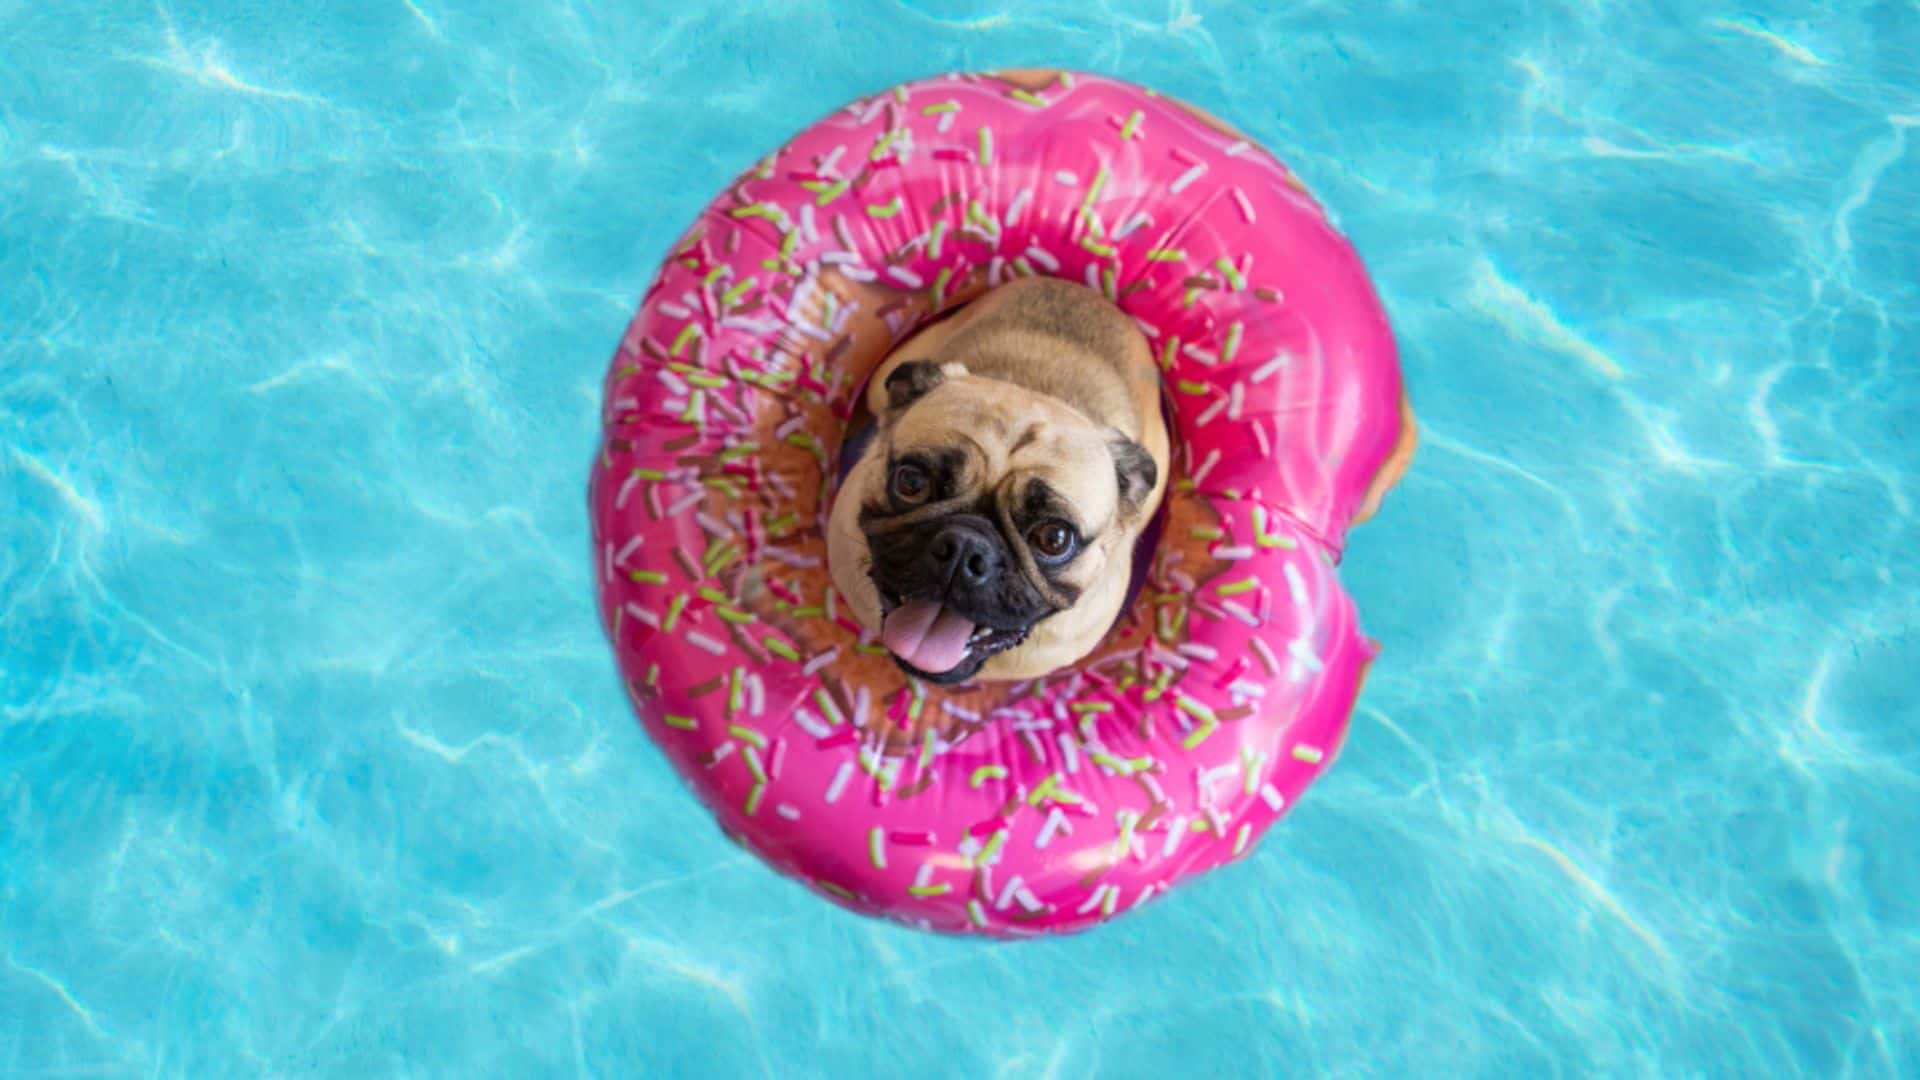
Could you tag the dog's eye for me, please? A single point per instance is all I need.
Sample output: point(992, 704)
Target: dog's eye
point(1052, 540)
point(909, 482)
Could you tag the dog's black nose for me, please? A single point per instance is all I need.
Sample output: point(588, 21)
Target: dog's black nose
point(964, 556)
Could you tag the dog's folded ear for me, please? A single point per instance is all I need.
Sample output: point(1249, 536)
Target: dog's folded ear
point(1135, 470)
point(911, 380)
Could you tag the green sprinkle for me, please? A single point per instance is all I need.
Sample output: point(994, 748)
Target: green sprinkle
point(733, 614)
point(935, 238)
point(940, 285)
point(726, 555)
point(941, 889)
point(650, 474)
point(647, 577)
point(1168, 352)
point(837, 189)
point(986, 146)
point(1312, 755)
point(1205, 532)
point(985, 773)
point(1235, 588)
point(1043, 789)
point(1104, 250)
point(696, 407)
point(1188, 386)
point(713, 275)
point(1131, 128)
point(1250, 768)
point(887, 209)
point(710, 594)
point(1091, 706)
point(992, 848)
point(757, 210)
point(674, 607)
point(783, 522)
point(779, 648)
point(1066, 79)
point(1233, 342)
point(1093, 190)
point(1199, 735)
point(686, 335)
point(733, 453)
point(870, 650)
point(876, 848)
point(880, 145)
point(840, 891)
point(940, 107)
point(1166, 255)
point(810, 611)
point(754, 795)
point(1194, 709)
point(682, 723)
point(711, 382)
point(746, 734)
point(789, 242)
point(1192, 294)
point(1284, 542)
point(740, 289)
point(827, 707)
point(736, 691)
point(1230, 272)
point(1028, 97)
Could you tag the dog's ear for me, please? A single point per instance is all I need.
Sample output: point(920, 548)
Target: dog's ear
point(1135, 470)
point(910, 381)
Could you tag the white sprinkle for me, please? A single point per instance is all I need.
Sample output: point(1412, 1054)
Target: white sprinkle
point(756, 695)
point(946, 122)
point(1196, 353)
point(1018, 204)
point(1133, 224)
point(1236, 400)
point(1145, 892)
point(1198, 651)
point(1260, 373)
point(1153, 787)
point(626, 489)
point(1043, 257)
point(641, 614)
point(685, 503)
point(1207, 417)
point(1055, 822)
point(842, 233)
point(809, 231)
point(838, 258)
point(1065, 177)
point(1180, 183)
point(811, 724)
point(1246, 208)
point(1237, 553)
point(1093, 276)
point(1239, 611)
point(974, 911)
point(1206, 466)
point(1296, 588)
point(1027, 900)
point(1032, 723)
point(829, 164)
point(905, 277)
point(704, 643)
point(629, 404)
point(1266, 656)
point(1175, 831)
point(1260, 436)
point(1069, 751)
point(862, 702)
point(1248, 689)
point(1238, 148)
point(711, 524)
point(674, 384)
point(820, 660)
point(674, 311)
point(721, 753)
point(1006, 894)
point(924, 876)
point(1240, 840)
point(1182, 580)
point(782, 555)
point(788, 811)
point(1301, 650)
point(1271, 796)
point(1093, 899)
point(839, 782)
point(789, 426)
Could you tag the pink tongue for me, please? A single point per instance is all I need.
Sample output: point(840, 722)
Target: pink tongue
point(928, 635)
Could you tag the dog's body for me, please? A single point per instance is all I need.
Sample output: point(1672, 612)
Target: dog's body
point(988, 529)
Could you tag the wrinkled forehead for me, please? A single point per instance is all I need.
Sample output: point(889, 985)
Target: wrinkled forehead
point(1017, 443)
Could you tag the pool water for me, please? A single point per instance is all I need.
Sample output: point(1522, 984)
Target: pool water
point(313, 759)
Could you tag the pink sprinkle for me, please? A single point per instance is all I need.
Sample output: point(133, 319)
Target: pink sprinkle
point(988, 827)
point(839, 737)
point(1246, 208)
point(1181, 155)
point(891, 161)
point(778, 756)
point(951, 153)
point(1234, 671)
point(847, 623)
point(908, 838)
point(1260, 436)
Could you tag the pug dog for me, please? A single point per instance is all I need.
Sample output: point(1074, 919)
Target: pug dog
point(987, 529)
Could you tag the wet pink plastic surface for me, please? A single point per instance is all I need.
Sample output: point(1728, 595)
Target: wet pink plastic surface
point(1225, 691)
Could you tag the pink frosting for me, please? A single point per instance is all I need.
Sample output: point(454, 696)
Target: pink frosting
point(1226, 690)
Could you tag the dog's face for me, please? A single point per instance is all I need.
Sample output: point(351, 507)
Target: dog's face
point(995, 520)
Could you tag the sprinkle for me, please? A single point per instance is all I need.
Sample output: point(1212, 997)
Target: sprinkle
point(1043, 257)
point(1104, 250)
point(1260, 436)
point(1094, 898)
point(1166, 255)
point(1296, 588)
point(839, 782)
point(1239, 611)
point(747, 734)
point(1066, 177)
point(1244, 585)
point(681, 723)
point(1013, 886)
point(1199, 734)
point(1093, 191)
point(1188, 386)
point(686, 335)
point(1180, 183)
point(912, 838)
point(720, 753)
point(1271, 796)
point(1238, 148)
point(1069, 751)
point(785, 810)
point(876, 847)
point(1054, 823)
point(1232, 273)
point(1207, 417)
point(887, 209)
point(1175, 832)
point(1027, 97)
point(991, 852)
point(1131, 129)
point(1232, 345)
point(939, 107)
point(1204, 532)
point(1138, 221)
point(820, 660)
point(1265, 655)
point(759, 771)
point(1260, 374)
point(986, 148)
point(834, 191)
point(705, 643)
point(976, 913)
point(1206, 466)
point(905, 277)
point(754, 795)
point(987, 772)
point(1018, 204)
point(1240, 839)
point(1246, 208)
point(674, 608)
point(1237, 396)
point(685, 503)
point(732, 296)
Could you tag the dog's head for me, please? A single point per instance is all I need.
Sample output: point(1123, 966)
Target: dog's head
point(988, 509)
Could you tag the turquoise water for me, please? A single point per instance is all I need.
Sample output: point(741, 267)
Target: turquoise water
point(312, 755)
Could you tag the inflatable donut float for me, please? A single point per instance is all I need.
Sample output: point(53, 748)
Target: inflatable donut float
point(1226, 686)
